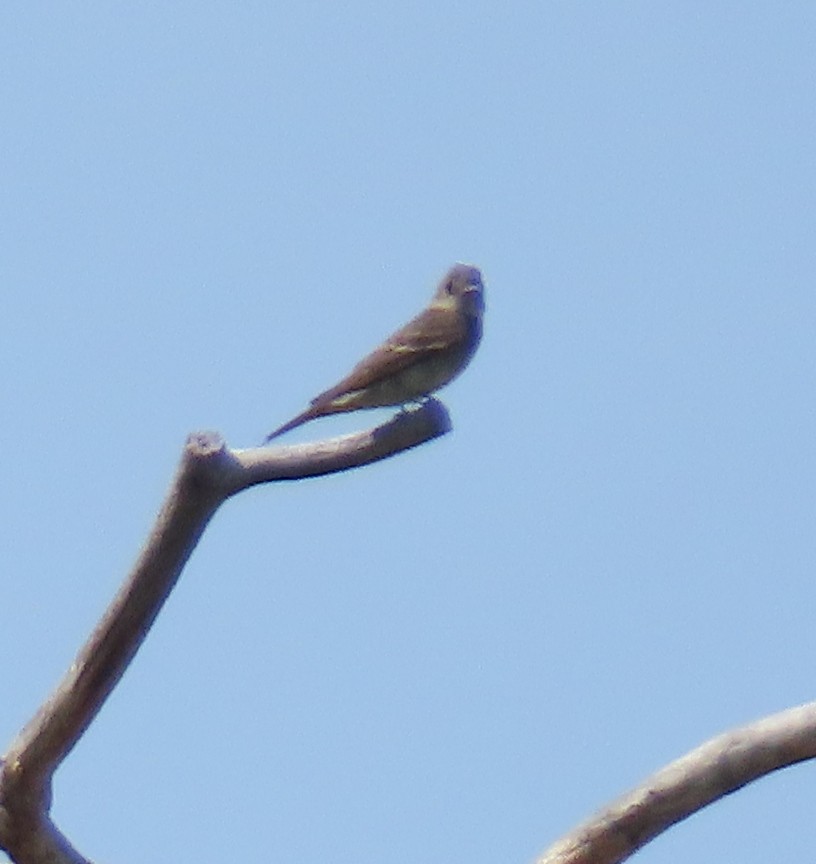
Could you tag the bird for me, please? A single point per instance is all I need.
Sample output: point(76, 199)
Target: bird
point(419, 358)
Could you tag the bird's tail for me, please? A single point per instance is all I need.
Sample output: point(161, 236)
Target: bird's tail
point(303, 417)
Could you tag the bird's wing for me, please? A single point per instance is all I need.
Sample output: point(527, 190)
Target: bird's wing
point(431, 331)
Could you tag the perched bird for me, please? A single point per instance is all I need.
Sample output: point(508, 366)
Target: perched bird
point(427, 353)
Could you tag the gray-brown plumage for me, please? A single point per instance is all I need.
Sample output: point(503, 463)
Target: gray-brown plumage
point(424, 355)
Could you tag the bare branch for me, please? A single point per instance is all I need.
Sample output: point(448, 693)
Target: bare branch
point(713, 770)
point(208, 474)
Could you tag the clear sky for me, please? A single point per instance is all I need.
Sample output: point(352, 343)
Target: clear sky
point(211, 211)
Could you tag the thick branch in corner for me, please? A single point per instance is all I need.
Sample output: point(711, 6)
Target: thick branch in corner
point(208, 474)
point(715, 769)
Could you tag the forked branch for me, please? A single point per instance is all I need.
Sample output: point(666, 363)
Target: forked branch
point(208, 474)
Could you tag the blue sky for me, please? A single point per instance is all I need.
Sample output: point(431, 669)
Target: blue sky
point(211, 211)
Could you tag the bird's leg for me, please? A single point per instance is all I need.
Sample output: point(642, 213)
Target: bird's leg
point(413, 404)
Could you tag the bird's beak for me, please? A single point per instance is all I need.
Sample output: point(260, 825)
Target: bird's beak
point(475, 296)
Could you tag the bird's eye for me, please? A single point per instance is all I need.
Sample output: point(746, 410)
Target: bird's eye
point(449, 287)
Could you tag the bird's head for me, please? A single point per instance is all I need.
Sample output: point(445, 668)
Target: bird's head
point(462, 287)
